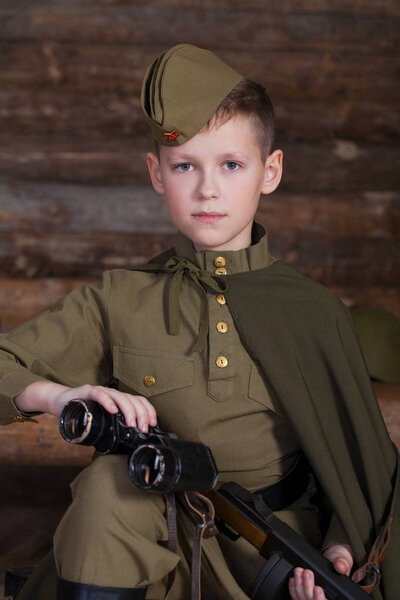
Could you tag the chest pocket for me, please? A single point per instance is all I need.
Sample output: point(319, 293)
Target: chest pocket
point(261, 392)
point(149, 373)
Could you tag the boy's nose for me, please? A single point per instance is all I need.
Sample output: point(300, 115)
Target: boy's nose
point(208, 188)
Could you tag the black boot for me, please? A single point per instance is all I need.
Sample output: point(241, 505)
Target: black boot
point(68, 590)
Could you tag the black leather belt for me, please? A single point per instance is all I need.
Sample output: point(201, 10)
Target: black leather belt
point(287, 490)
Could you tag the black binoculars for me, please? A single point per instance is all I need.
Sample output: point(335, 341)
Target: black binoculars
point(157, 460)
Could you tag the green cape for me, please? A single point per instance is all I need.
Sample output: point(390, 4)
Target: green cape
point(302, 337)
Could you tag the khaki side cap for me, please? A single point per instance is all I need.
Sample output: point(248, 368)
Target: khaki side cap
point(181, 91)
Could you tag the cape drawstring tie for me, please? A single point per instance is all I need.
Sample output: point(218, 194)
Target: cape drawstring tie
point(178, 267)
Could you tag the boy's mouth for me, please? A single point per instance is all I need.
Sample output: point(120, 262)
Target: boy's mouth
point(208, 217)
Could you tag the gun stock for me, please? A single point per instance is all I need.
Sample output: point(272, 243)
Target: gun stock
point(280, 545)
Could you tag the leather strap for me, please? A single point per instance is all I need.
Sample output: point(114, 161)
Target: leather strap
point(371, 569)
point(170, 504)
point(201, 511)
point(69, 590)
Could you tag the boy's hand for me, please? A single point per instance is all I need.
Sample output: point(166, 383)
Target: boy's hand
point(301, 586)
point(50, 397)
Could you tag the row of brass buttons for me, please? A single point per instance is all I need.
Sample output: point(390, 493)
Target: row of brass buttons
point(222, 326)
point(220, 263)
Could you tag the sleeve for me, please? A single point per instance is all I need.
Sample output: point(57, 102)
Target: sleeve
point(69, 344)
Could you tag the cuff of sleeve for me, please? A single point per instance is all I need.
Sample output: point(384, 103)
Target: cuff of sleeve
point(10, 388)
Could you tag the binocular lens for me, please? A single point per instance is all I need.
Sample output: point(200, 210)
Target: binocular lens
point(147, 467)
point(82, 422)
point(75, 422)
point(155, 467)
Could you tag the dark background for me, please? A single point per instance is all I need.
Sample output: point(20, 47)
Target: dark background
point(74, 192)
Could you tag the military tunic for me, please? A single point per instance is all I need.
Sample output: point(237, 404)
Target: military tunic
point(116, 330)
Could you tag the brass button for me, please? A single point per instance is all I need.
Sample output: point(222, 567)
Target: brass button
point(149, 380)
point(221, 362)
point(18, 418)
point(219, 261)
point(220, 271)
point(222, 327)
point(220, 298)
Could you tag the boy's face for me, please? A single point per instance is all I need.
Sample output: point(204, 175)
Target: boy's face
point(213, 183)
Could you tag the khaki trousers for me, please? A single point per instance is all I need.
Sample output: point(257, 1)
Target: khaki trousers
point(114, 534)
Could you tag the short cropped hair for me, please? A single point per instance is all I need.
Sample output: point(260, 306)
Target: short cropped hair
point(248, 99)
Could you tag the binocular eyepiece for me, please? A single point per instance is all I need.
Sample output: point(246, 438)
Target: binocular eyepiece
point(157, 460)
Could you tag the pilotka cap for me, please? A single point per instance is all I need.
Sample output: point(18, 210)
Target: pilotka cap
point(181, 91)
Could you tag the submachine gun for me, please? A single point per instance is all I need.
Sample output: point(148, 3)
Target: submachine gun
point(158, 461)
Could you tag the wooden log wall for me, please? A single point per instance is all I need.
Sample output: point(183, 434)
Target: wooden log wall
point(75, 197)
point(74, 192)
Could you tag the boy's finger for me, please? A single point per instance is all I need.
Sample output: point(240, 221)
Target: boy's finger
point(308, 584)
point(292, 589)
point(135, 410)
point(103, 397)
point(342, 566)
point(298, 584)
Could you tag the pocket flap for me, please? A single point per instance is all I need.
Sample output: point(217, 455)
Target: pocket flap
point(149, 373)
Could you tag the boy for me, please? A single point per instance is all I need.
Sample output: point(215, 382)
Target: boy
point(223, 344)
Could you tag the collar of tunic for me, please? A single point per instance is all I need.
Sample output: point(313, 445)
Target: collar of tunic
point(256, 256)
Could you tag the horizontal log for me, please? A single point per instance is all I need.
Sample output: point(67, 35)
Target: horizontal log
point(76, 255)
point(40, 444)
point(75, 158)
point(235, 28)
point(353, 121)
point(367, 7)
point(333, 261)
point(102, 113)
point(22, 299)
point(335, 166)
point(47, 207)
point(81, 68)
point(53, 230)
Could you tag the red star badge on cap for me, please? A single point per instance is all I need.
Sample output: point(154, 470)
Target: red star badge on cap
point(171, 136)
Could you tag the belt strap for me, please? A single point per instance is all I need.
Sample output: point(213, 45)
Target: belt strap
point(201, 511)
point(69, 590)
point(371, 569)
point(170, 505)
point(290, 488)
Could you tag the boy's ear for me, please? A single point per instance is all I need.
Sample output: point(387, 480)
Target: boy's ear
point(273, 172)
point(153, 165)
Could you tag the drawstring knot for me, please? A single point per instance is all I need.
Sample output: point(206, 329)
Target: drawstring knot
point(178, 267)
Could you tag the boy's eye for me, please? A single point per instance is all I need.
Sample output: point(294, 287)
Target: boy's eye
point(184, 167)
point(231, 165)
